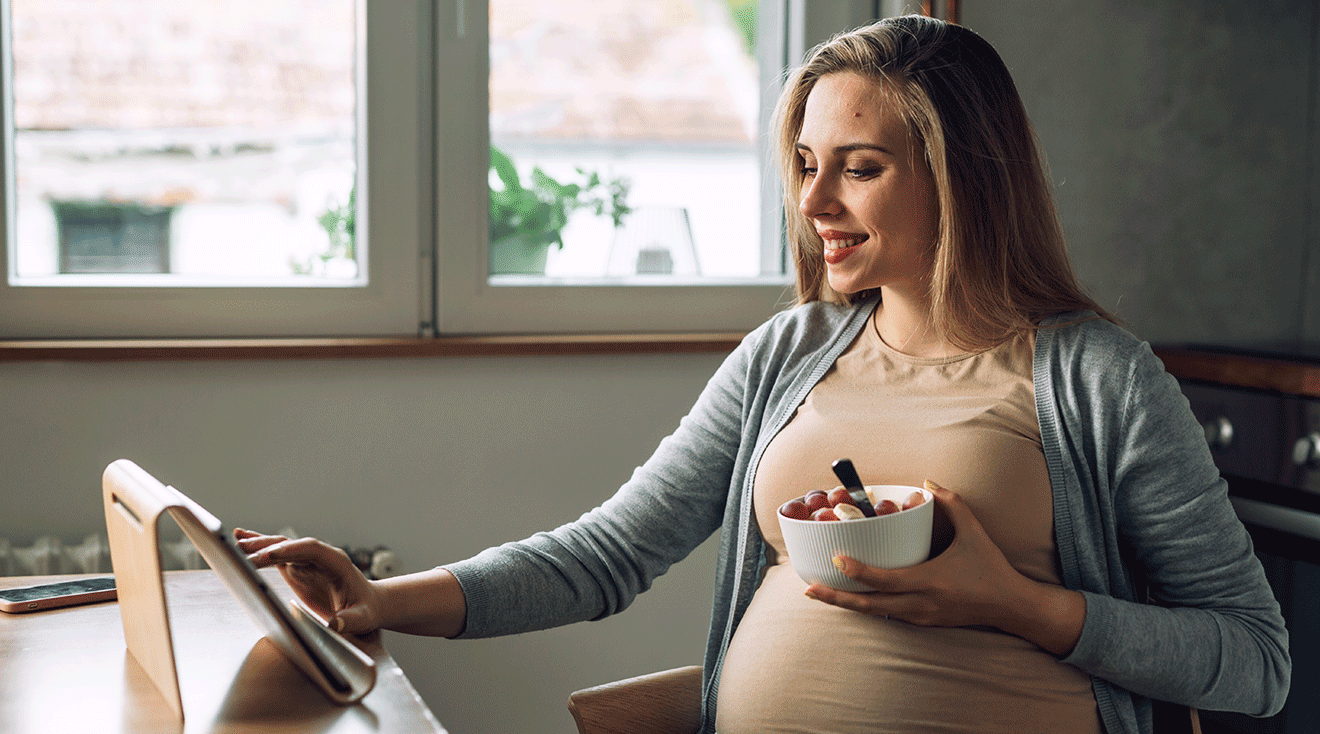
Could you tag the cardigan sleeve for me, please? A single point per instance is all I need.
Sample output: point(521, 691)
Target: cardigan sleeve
point(595, 566)
point(1214, 637)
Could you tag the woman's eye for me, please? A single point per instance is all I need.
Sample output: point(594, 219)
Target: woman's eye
point(808, 171)
point(862, 173)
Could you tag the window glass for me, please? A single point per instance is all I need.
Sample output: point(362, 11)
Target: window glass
point(624, 142)
point(199, 142)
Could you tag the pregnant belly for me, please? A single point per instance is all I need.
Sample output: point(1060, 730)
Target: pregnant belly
point(798, 665)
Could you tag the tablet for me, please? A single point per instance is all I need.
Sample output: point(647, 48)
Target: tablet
point(134, 499)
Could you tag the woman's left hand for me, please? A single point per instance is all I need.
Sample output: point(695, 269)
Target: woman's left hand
point(970, 583)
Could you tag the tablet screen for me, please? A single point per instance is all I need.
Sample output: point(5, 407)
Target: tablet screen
point(265, 609)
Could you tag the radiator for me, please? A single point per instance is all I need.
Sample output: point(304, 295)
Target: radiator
point(50, 555)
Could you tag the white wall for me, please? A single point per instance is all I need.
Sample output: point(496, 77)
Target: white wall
point(436, 458)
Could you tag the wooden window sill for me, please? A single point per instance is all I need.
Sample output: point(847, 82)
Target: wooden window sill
point(167, 350)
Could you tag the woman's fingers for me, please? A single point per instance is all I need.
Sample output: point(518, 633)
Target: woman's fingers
point(865, 603)
point(300, 551)
point(884, 580)
point(354, 620)
point(250, 541)
point(252, 545)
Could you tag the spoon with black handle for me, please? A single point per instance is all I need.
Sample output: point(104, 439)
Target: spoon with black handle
point(843, 469)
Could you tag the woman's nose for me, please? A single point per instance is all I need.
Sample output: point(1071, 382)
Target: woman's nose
point(818, 199)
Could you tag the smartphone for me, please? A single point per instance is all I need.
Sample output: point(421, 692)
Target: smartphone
point(57, 594)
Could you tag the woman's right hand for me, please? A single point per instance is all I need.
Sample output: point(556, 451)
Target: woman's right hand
point(321, 575)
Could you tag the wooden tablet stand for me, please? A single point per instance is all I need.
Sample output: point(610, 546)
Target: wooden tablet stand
point(132, 515)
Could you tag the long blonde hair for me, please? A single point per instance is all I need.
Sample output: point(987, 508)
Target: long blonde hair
point(1000, 262)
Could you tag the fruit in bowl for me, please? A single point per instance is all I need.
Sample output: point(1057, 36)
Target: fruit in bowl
point(898, 535)
point(811, 507)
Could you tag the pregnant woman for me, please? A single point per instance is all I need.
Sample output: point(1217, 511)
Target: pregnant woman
point(1091, 561)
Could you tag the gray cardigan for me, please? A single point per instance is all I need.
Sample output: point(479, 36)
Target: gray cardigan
point(1140, 512)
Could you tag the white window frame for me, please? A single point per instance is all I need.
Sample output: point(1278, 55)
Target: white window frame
point(394, 193)
point(468, 303)
point(423, 214)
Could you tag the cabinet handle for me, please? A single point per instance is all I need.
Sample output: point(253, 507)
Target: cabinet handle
point(1218, 432)
point(1306, 452)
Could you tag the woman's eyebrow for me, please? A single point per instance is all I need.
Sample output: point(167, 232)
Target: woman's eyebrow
point(863, 146)
point(850, 147)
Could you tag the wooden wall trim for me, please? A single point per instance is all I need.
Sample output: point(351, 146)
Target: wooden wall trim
point(168, 350)
point(1242, 370)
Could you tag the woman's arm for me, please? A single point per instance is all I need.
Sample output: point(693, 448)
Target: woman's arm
point(596, 565)
point(425, 603)
point(1215, 638)
point(586, 569)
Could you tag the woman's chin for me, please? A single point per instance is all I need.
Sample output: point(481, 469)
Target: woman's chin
point(845, 285)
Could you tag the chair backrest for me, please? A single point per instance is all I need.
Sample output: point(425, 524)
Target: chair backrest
point(668, 702)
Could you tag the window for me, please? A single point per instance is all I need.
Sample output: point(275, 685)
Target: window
point(323, 167)
point(100, 237)
point(665, 100)
point(213, 168)
point(188, 115)
point(643, 118)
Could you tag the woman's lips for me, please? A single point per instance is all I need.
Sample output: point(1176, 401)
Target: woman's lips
point(840, 245)
point(836, 256)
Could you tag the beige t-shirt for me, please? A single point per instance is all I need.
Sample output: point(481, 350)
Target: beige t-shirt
point(967, 423)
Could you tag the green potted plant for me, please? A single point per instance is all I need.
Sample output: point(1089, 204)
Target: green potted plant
point(339, 259)
point(525, 220)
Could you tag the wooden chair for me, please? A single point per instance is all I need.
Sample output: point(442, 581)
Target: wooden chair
point(668, 702)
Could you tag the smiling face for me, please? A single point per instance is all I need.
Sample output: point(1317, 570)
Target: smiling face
point(866, 188)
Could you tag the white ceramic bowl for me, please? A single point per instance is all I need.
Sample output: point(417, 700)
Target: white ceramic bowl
point(888, 541)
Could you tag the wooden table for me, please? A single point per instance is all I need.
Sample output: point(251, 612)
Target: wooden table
point(69, 670)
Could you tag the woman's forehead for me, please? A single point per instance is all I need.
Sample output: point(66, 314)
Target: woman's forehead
point(845, 108)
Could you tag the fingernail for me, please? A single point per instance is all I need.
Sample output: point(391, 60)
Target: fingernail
point(337, 624)
point(812, 596)
point(931, 485)
point(840, 564)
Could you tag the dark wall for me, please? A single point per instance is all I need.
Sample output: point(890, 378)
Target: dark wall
point(1180, 136)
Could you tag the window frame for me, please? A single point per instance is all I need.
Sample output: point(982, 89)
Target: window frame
point(468, 303)
point(424, 139)
point(394, 193)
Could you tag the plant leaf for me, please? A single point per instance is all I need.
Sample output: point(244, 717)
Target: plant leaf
point(504, 168)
